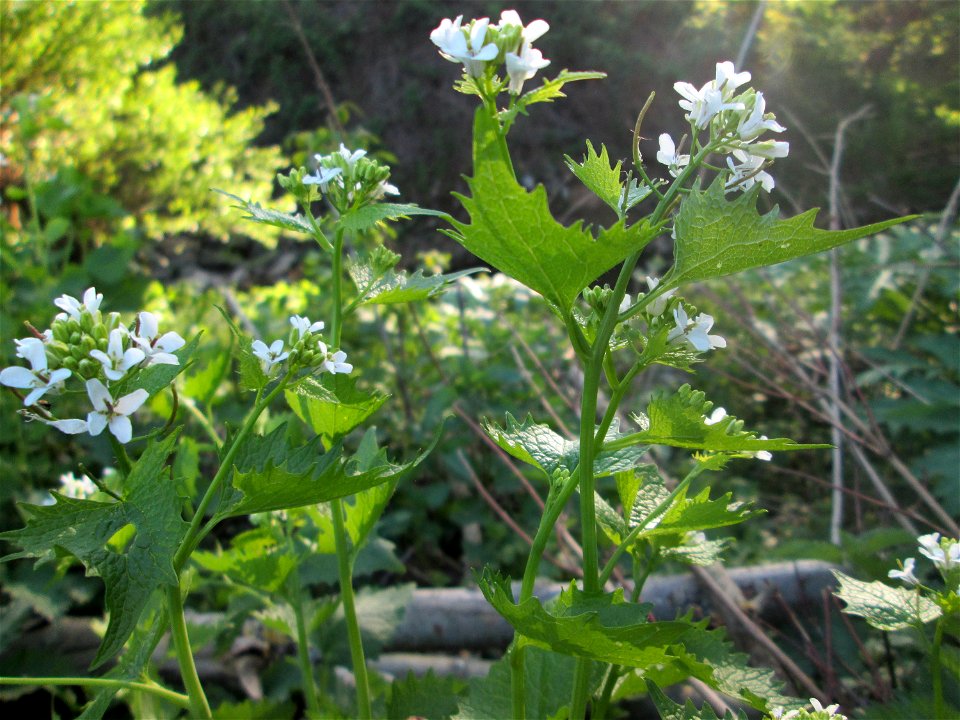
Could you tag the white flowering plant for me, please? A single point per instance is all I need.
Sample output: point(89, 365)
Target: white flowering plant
point(597, 642)
point(292, 490)
point(912, 605)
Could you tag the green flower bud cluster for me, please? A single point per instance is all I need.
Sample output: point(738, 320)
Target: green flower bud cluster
point(75, 337)
point(351, 180)
point(307, 352)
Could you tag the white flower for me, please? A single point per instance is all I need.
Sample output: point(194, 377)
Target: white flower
point(668, 156)
point(830, 709)
point(931, 546)
point(465, 45)
point(351, 157)
point(728, 80)
point(383, 188)
point(532, 32)
point(906, 574)
point(695, 332)
point(157, 350)
point(716, 416)
point(115, 360)
point(704, 104)
point(106, 411)
point(269, 356)
point(748, 172)
point(756, 123)
point(73, 307)
point(38, 380)
point(78, 489)
point(303, 325)
point(334, 362)
point(659, 304)
point(760, 454)
point(322, 177)
point(26, 346)
point(769, 149)
point(523, 66)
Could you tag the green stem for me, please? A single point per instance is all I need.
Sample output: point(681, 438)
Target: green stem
point(303, 650)
point(197, 530)
point(345, 567)
point(599, 709)
point(336, 326)
point(641, 526)
point(554, 506)
point(581, 689)
point(199, 707)
point(939, 707)
point(147, 687)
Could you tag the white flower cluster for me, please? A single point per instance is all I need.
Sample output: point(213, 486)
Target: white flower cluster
point(819, 712)
point(307, 350)
point(350, 179)
point(736, 121)
point(81, 343)
point(944, 553)
point(482, 48)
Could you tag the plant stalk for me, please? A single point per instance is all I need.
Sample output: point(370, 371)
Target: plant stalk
point(199, 707)
point(148, 687)
point(303, 651)
point(345, 568)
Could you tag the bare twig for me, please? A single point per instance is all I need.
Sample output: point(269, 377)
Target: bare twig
point(750, 34)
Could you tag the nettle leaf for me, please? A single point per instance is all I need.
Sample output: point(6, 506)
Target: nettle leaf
point(680, 420)
point(332, 405)
point(513, 230)
point(536, 444)
point(84, 528)
point(368, 216)
point(885, 607)
point(427, 696)
point(707, 656)
point(603, 627)
point(552, 89)
point(548, 677)
point(717, 237)
point(669, 710)
point(390, 287)
point(270, 474)
point(264, 216)
point(255, 558)
point(602, 179)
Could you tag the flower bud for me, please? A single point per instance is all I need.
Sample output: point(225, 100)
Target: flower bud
point(60, 332)
point(70, 363)
point(88, 368)
point(88, 343)
point(100, 332)
point(74, 338)
point(87, 321)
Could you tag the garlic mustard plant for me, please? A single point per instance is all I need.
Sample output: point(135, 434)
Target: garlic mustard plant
point(708, 209)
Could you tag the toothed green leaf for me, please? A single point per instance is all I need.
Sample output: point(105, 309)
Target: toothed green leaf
point(265, 216)
point(332, 405)
point(369, 216)
point(513, 230)
point(390, 287)
point(716, 236)
point(536, 444)
point(84, 529)
point(885, 607)
point(270, 474)
point(602, 179)
point(680, 420)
